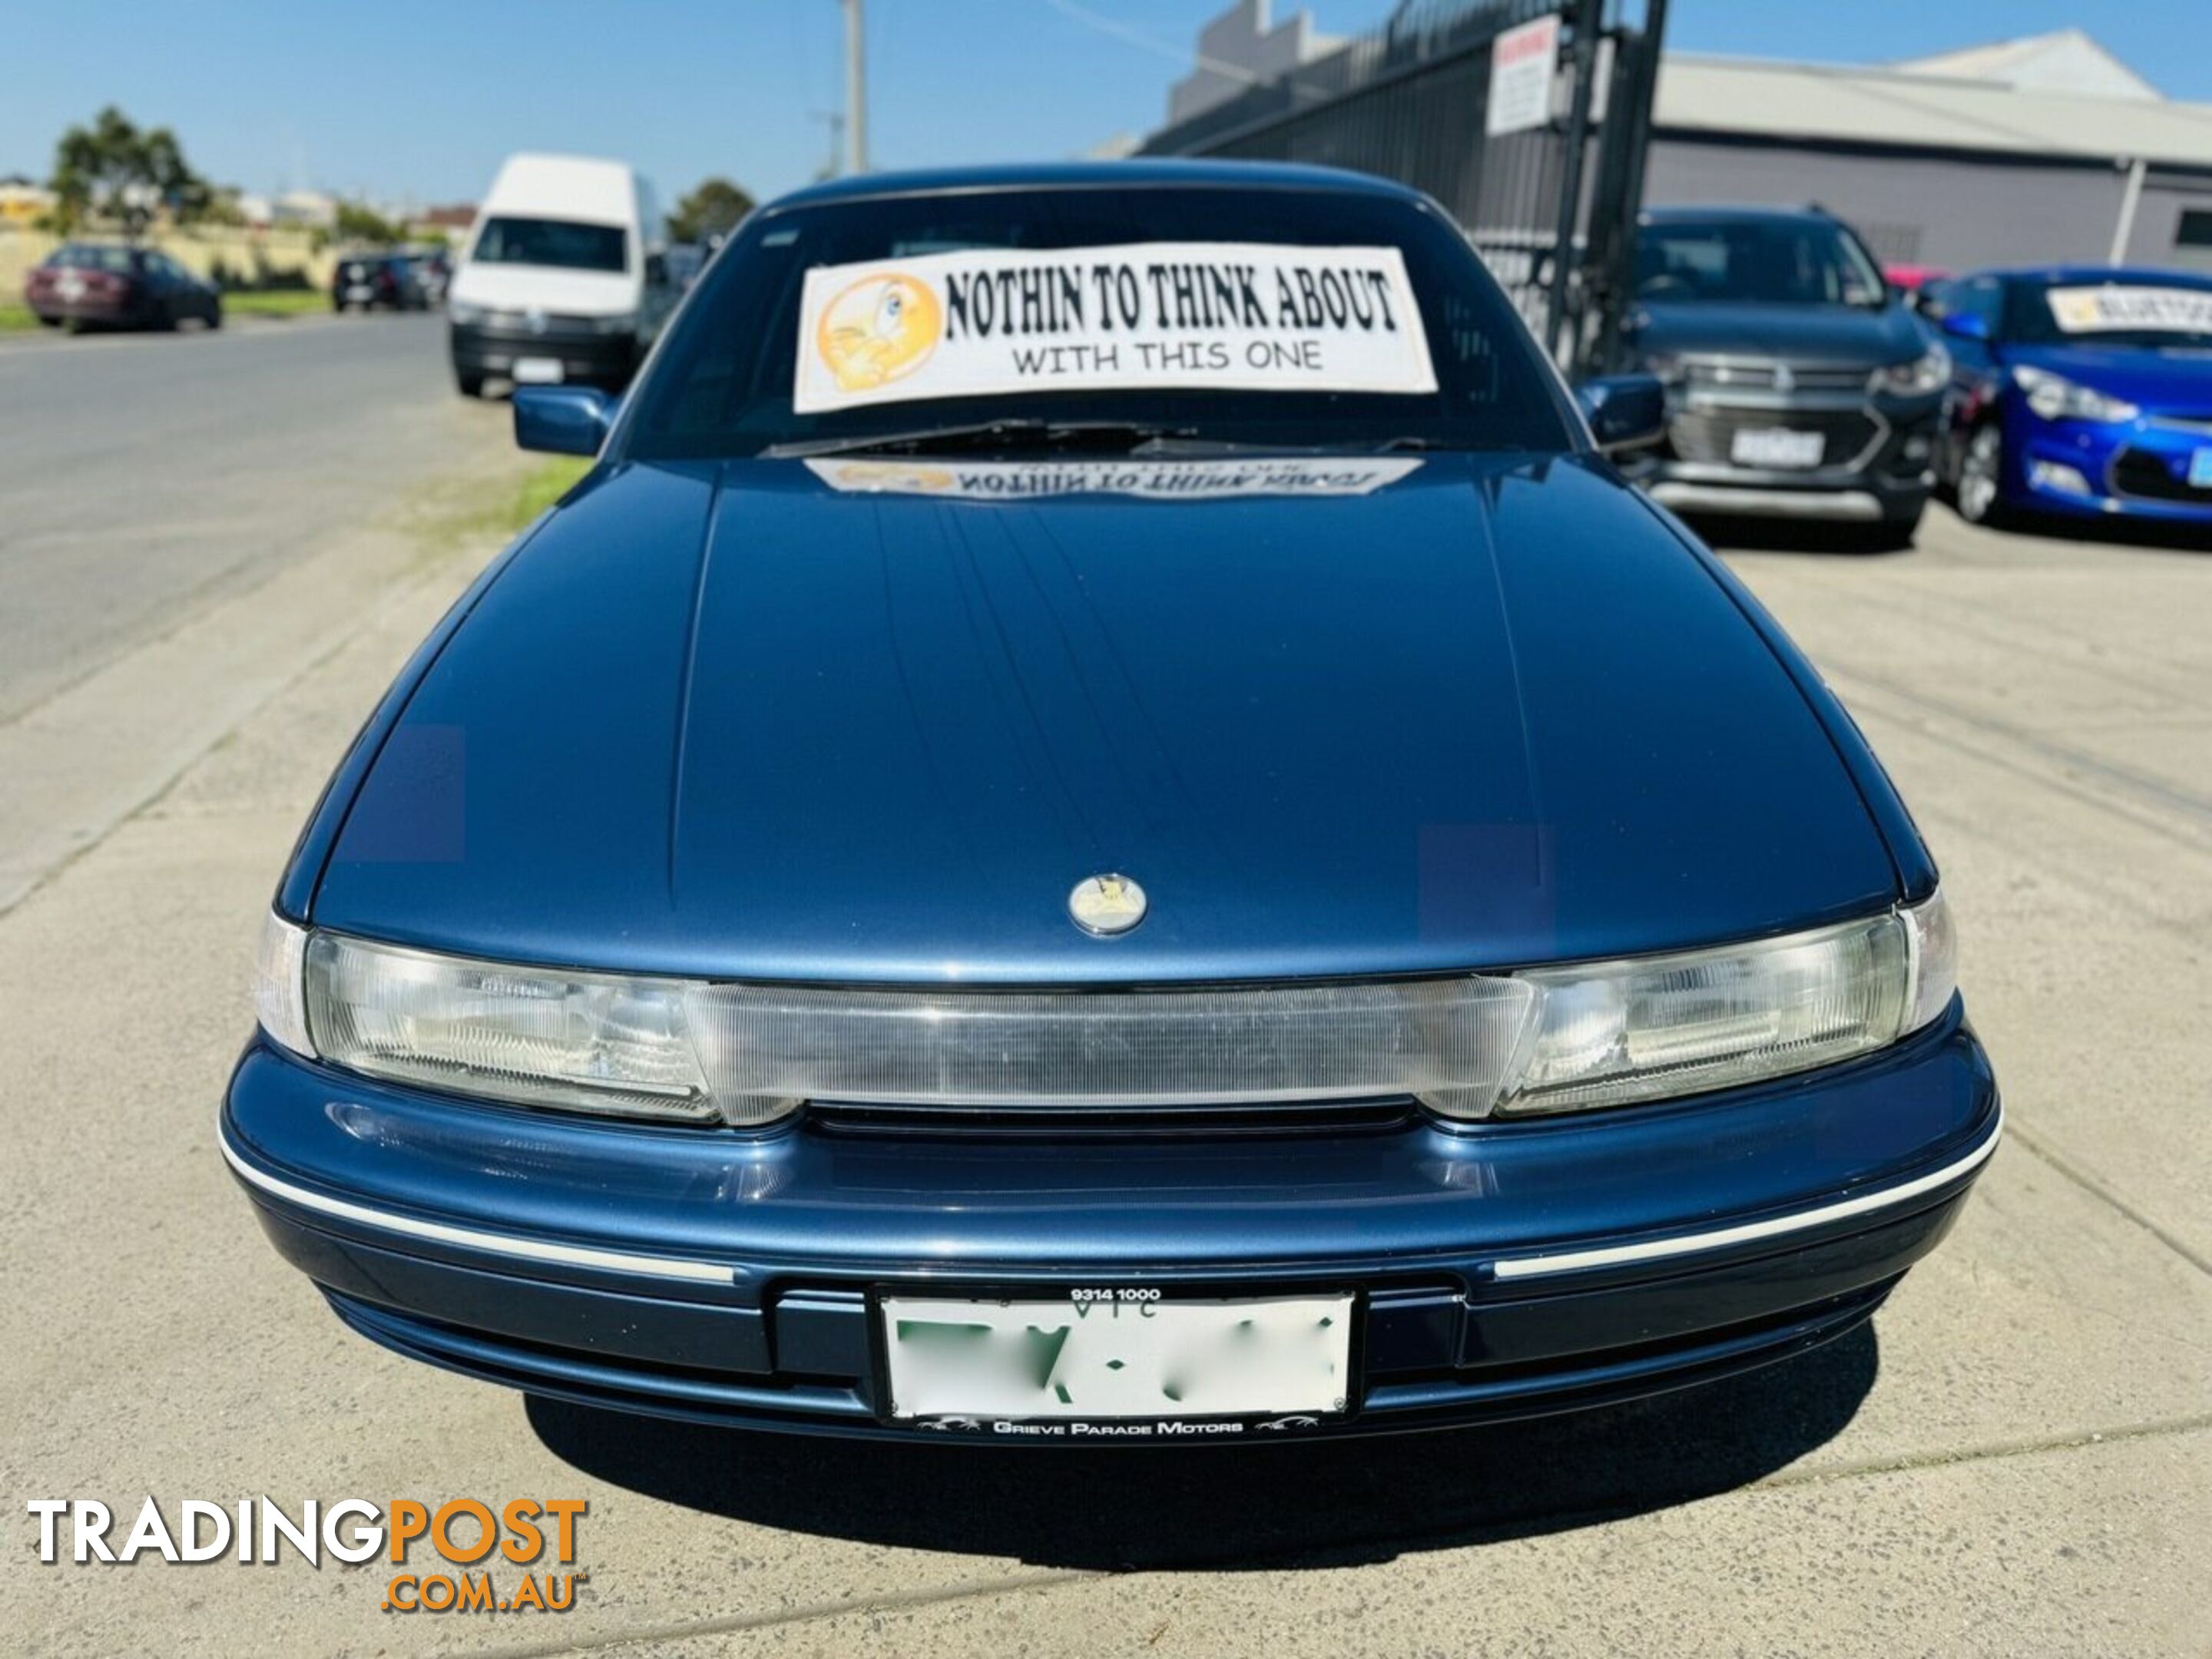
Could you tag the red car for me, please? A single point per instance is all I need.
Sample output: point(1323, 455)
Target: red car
point(105, 285)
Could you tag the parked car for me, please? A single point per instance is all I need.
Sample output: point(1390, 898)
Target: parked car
point(564, 277)
point(685, 261)
point(108, 285)
point(1103, 820)
point(372, 281)
point(1907, 280)
point(2079, 392)
point(1798, 386)
point(432, 270)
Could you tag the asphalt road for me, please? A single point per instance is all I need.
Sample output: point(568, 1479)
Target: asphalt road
point(146, 475)
point(2014, 1459)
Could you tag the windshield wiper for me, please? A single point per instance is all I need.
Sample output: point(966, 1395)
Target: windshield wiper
point(1113, 437)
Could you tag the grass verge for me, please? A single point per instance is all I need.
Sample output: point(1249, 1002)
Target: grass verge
point(14, 319)
point(275, 303)
point(478, 510)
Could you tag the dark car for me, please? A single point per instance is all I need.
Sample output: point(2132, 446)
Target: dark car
point(2081, 392)
point(371, 282)
point(108, 285)
point(1798, 385)
point(1102, 820)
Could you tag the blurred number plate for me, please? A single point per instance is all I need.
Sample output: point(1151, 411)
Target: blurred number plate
point(2200, 470)
point(1775, 446)
point(537, 371)
point(1117, 1354)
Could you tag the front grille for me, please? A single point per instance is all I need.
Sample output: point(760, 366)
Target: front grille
point(522, 322)
point(1707, 434)
point(1275, 1121)
point(2145, 473)
point(1748, 374)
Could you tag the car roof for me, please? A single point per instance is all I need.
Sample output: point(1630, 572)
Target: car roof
point(1138, 173)
point(2093, 274)
point(1734, 212)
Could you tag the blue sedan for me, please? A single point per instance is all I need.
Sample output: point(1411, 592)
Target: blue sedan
point(2079, 392)
point(1102, 820)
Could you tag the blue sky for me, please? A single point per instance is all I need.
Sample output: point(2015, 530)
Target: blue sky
point(416, 100)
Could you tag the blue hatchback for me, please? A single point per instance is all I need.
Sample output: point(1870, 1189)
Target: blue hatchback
point(2079, 392)
point(1104, 821)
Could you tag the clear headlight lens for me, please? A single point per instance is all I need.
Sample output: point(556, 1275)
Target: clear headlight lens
point(1547, 1039)
point(590, 1042)
point(1928, 371)
point(2056, 398)
point(460, 311)
point(622, 323)
point(1650, 1027)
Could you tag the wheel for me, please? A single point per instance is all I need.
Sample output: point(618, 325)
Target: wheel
point(50, 322)
point(215, 315)
point(472, 385)
point(1981, 477)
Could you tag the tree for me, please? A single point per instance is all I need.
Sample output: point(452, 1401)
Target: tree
point(115, 170)
point(359, 223)
point(713, 210)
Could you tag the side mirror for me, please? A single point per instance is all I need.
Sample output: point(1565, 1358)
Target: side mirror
point(1624, 410)
point(562, 420)
point(1966, 325)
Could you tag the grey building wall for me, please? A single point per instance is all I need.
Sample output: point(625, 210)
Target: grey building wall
point(2158, 220)
point(1948, 211)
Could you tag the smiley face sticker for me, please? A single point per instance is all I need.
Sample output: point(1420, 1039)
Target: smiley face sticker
point(879, 330)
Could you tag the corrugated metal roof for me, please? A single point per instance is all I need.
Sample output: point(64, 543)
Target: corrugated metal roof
point(1812, 101)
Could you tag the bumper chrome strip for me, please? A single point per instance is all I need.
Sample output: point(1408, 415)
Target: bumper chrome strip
point(1661, 1250)
point(1534, 1265)
point(528, 1249)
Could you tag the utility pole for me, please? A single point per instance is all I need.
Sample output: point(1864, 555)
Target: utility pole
point(856, 90)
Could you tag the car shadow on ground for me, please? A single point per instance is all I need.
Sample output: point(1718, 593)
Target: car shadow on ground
point(1325, 1504)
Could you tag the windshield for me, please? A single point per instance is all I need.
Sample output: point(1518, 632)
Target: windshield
point(723, 383)
point(1796, 262)
point(559, 243)
point(2139, 312)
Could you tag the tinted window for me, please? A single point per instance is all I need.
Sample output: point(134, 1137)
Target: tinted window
point(91, 256)
point(1774, 261)
point(722, 384)
point(557, 242)
point(2193, 229)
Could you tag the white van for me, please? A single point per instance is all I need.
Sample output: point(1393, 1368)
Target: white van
point(564, 277)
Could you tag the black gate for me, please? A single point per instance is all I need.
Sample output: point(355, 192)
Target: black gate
point(1552, 206)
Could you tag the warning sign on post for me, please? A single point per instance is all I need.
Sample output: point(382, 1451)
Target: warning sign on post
point(1522, 62)
point(1232, 316)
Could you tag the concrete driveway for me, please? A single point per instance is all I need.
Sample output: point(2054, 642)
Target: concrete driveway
point(2016, 1458)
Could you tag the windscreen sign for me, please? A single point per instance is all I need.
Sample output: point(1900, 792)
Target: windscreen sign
point(1229, 316)
point(2117, 307)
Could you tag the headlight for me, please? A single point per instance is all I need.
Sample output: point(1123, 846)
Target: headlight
point(1928, 371)
point(1610, 1033)
point(1553, 1039)
point(622, 323)
point(590, 1042)
point(460, 311)
point(2056, 398)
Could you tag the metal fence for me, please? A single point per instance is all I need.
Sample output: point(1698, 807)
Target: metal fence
point(1551, 207)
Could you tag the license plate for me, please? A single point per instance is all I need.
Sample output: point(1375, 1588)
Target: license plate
point(361, 291)
point(70, 288)
point(2200, 470)
point(1115, 1355)
point(1775, 446)
point(539, 371)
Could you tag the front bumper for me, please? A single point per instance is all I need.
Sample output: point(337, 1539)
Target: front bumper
point(1875, 466)
point(586, 357)
point(2138, 469)
point(1503, 1269)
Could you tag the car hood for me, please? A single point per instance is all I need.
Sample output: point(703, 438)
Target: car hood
point(1839, 336)
point(771, 720)
point(2172, 382)
point(541, 288)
